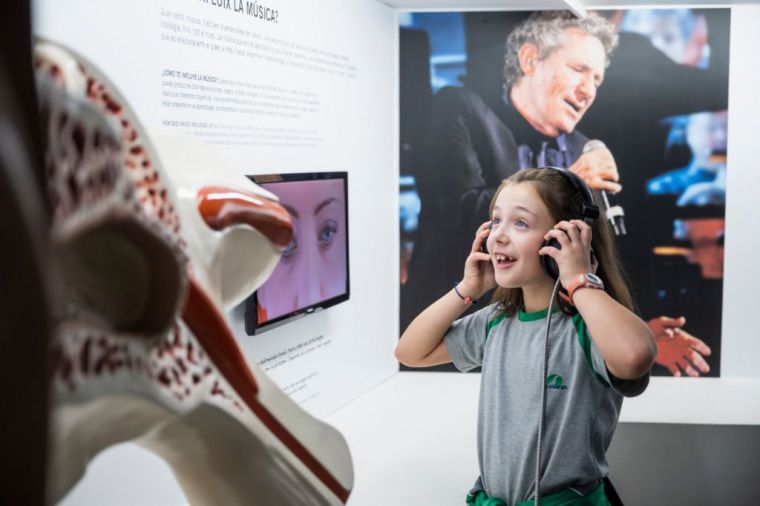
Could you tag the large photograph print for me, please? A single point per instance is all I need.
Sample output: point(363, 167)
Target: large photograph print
point(634, 102)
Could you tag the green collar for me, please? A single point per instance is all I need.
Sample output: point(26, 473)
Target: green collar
point(536, 315)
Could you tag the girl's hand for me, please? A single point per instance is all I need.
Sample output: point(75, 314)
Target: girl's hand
point(575, 255)
point(478, 269)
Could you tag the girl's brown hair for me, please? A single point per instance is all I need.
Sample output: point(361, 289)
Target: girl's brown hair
point(565, 202)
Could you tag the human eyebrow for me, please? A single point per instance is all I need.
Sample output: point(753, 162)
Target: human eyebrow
point(324, 204)
point(521, 208)
point(291, 210)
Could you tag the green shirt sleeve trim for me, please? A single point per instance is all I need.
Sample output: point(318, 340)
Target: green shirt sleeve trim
point(494, 322)
point(585, 341)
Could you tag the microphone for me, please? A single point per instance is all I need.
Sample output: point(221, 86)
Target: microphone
point(613, 211)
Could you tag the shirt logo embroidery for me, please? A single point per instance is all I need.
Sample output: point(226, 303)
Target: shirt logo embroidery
point(555, 382)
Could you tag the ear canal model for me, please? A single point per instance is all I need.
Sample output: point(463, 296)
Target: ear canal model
point(142, 351)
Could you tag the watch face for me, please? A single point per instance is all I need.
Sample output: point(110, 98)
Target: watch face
point(594, 279)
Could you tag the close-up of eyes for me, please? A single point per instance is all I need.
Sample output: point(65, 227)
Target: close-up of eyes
point(326, 233)
point(290, 250)
point(518, 222)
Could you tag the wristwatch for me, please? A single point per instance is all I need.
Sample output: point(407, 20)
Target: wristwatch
point(586, 280)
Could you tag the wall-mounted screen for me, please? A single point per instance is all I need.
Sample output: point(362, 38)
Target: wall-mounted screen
point(312, 273)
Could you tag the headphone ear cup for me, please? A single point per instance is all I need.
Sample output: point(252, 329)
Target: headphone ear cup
point(550, 265)
point(484, 245)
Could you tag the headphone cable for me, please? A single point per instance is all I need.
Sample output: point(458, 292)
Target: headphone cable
point(542, 415)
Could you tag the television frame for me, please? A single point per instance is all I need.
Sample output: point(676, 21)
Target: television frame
point(252, 326)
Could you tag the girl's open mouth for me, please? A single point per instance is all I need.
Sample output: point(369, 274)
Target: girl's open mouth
point(503, 261)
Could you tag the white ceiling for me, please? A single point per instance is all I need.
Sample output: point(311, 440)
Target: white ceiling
point(468, 5)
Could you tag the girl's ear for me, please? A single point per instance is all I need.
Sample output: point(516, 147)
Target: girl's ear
point(528, 58)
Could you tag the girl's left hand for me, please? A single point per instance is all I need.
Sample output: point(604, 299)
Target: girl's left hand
point(575, 255)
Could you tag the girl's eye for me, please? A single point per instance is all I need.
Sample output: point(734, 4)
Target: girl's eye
point(495, 222)
point(326, 234)
point(520, 224)
point(290, 249)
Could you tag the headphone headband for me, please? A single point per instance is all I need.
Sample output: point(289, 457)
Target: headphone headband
point(590, 210)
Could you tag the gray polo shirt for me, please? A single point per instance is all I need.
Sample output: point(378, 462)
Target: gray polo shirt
point(582, 402)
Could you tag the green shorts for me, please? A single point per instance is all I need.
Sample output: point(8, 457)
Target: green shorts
point(567, 497)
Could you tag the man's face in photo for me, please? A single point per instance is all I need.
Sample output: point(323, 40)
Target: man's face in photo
point(564, 83)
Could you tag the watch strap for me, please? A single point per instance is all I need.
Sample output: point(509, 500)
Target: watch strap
point(582, 281)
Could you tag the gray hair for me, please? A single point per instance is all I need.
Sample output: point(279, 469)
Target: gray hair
point(546, 30)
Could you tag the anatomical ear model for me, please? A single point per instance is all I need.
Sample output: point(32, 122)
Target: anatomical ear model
point(154, 240)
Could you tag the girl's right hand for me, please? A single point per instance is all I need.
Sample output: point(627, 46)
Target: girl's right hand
point(478, 269)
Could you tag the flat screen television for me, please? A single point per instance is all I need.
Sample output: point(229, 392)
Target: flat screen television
point(312, 273)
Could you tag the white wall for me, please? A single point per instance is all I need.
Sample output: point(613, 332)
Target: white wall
point(341, 56)
point(741, 279)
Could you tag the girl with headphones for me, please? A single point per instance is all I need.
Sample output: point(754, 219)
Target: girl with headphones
point(545, 418)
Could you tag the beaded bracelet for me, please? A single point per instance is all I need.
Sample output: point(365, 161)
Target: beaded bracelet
point(467, 300)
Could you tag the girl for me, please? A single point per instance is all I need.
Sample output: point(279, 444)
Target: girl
point(600, 350)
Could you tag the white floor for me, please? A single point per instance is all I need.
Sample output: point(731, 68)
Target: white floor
point(403, 455)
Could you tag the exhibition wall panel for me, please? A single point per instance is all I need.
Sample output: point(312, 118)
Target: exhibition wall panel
point(274, 87)
point(295, 87)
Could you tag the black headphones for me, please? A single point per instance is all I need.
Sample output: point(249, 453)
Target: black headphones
point(588, 213)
